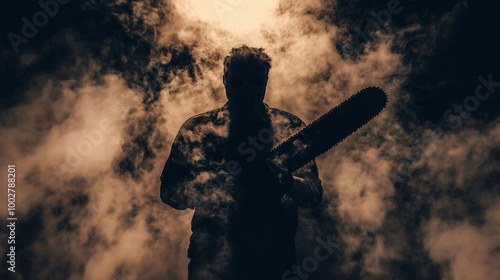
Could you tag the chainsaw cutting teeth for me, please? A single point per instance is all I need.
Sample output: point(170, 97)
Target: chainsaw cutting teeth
point(330, 129)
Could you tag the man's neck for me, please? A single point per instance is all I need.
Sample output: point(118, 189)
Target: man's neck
point(249, 116)
point(256, 110)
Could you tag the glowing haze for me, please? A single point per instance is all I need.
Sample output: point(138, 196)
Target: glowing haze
point(237, 16)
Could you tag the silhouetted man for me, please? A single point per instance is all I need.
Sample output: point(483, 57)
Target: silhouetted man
point(245, 205)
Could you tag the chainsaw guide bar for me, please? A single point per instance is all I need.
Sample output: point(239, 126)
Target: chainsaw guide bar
point(330, 129)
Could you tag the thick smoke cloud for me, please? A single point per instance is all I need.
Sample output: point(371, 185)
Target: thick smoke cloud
point(90, 139)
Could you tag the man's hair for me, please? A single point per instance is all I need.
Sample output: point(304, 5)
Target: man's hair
point(247, 56)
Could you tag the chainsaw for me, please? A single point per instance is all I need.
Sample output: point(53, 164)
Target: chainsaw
point(329, 130)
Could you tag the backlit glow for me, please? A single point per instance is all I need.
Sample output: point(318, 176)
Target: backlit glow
point(234, 15)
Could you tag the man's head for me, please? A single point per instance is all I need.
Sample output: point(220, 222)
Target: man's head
point(245, 76)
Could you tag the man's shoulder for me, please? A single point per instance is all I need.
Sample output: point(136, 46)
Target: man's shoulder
point(205, 118)
point(220, 115)
point(284, 117)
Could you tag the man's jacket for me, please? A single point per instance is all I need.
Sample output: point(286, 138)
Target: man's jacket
point(243, 225)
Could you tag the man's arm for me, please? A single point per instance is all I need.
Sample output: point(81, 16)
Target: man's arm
point(176, 174)
point(187, 180)
point(306, 189)
point(185, 177)
point(304, 186)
